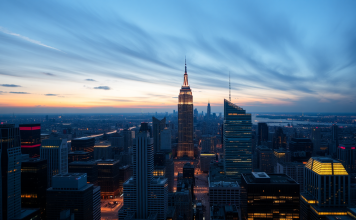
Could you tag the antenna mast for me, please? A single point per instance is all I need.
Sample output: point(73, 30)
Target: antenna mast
point(229, 88)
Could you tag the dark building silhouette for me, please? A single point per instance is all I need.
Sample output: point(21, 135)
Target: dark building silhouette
point(262, 133)
point(158, 126)
point(188, 172)
point(88, 167)
point(265, 159)
point(71, 191)
point(301, 149)
point(30, 139)
point(127, 140)
point(208, 111)
point(10, 182)
point(346, 154)
point(270, 196)
point(279, 139)
point(185, 120)
point(34, 184)
point(108, 178)
point(84, 144)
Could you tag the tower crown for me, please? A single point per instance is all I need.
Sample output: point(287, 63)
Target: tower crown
point(185, 83)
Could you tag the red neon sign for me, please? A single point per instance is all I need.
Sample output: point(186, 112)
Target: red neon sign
point(341, 147)
point(31, 146)
point(353, 148)
point(30, 128)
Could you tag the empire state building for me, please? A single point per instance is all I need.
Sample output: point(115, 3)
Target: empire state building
point(185, 120)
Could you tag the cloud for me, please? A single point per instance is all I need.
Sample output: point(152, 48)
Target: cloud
point(1, 92)
point(9, 85)
point(20, 93)
point(49, 74)
point(26, 38)
point(92, 80)
point(50, 94)
point(175, 97)
point(102, 87)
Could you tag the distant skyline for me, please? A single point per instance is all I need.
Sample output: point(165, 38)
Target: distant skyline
point(128, 56)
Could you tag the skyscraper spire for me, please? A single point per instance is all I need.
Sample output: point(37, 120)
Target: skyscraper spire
point(185, 74)
point(229, 88)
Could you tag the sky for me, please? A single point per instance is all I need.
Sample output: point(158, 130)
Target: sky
point(128, 56)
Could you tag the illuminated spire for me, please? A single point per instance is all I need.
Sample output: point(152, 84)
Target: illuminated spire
point(185, 75)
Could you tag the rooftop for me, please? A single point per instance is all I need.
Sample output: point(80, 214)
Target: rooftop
point(263, 178)
point(224, 184)
point(325, 166)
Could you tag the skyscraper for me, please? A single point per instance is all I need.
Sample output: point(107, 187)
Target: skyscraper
point(55, 151)
point(144, 194)
point(262, 133)
point(237, 141)
point(208, 111)
point(327, 189)
point(30, 139)
point(10, 182)
point(158, 126)
point(185, 120)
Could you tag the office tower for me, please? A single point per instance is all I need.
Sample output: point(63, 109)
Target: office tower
point(84, 144)
point(208, 111)
point(125, 172)
point(185, 120)
point(88, 167)
point(188, 172)
point(164, 167)
point(158, 126)
point(108, 178)
point(262, 133)
point(335, 139)
point(224, 193)
point(79, 156)
point(227, 212)
point(208, 143)
point(144, 194)
point(237, 141)
point(316, 139)
point(294, 170)
point(265, 159)
point(103, 151)
point(30, 139)
point(183, 204)
point(56, 153)
point(34, 184)
point(205, 160)
point(71, 191)
point(10, 182)
point(346, 154)
point(280, 155)
point(166, 140)
point(279, 139)
point(327, 191)
point(117, 142)
point(301, 149)
point(270, 196)
point(127, 140)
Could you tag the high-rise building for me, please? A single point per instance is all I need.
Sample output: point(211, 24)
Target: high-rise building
point(71, 191)
point(34, 184)
point(185, 120)
point(127, 140)
point(108, 178)
point(335, 139)
point(55, 151)
point(224, 193)
point(10, 160)
point(205, 160)
point(316, 139)
point(346, 154)
point(301, 149)
point(279, 139)
point(208, 111)
point(88, 167)
point(158, 126)
point(237, 141)
point(84, 144)
point(208, 143)
point(294, 170)
point(270, 196)
point(327, 189)
point(262, 133)
point(30, 139)
point(103, 151)
point(265, 159)
point(117, 142)
point(144, 194)
point(166, 140)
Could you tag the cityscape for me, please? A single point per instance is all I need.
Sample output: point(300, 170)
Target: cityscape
point(176, 136)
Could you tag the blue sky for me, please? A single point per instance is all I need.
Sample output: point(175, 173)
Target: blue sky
point(128, 56)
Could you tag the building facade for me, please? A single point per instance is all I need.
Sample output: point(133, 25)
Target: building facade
point(185, 120)
point(30, 139)
point(237, 141)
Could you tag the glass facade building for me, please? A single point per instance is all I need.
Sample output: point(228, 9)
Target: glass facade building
point(237, 141)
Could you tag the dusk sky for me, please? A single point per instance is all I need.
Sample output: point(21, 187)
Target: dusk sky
point(128, 56)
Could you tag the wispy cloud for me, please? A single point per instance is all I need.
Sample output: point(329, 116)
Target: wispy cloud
point(1, 92)
point(10, 85)
point(102, 87)
point(20, 93)
point(91, 80)
point(50, 94)
point(49, 74)
point(26, 38)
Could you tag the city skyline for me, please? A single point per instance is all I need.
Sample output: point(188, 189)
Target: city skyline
point(117, 57)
